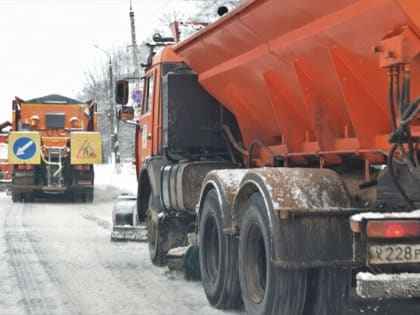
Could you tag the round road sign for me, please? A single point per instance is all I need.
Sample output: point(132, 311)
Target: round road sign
point(137, 96)
point(24, 148)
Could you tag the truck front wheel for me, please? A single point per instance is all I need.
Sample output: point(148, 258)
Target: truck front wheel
point(16, 197)
point(266, 289)
point(218, 254)
point(88, 195)
point(154, 236)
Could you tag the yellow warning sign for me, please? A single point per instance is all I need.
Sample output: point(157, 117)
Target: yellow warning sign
point(85, 148)
point(24, 147)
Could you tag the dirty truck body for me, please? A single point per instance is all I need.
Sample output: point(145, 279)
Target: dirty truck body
point(53, 145)
point(285, 138)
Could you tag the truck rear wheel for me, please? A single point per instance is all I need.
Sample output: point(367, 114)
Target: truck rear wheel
point(266, 289)
point(29, 196)
point(327, 290)
point(88, 195)
point(218, 254)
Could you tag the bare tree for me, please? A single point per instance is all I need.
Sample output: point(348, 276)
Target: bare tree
point(208, 9)
point(97, 87)
point(97, 80)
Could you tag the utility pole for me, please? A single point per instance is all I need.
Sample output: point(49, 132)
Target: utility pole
point(115, 128)
point(134, 47)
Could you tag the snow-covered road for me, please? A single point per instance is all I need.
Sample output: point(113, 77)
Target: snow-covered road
point(56, 258)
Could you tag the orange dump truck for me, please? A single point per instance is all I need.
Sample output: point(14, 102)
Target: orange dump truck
point(285, 137)
point(5, 167)
point(53, 145)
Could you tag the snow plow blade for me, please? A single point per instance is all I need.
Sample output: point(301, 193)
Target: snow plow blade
point(125, 225)
point(129, 233)
point(405, 285)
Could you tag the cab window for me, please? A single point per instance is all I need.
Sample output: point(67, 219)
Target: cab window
point(148, 100)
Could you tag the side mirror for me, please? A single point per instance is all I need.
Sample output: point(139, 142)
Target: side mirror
point(121, 92)
point(125, 113)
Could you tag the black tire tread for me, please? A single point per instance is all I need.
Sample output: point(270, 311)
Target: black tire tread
point(225, 292)
point(285, 289)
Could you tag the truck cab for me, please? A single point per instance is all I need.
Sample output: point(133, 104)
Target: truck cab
point(179, 138)
point(149, 135)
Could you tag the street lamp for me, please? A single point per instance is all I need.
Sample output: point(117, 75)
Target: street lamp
point(114, 136)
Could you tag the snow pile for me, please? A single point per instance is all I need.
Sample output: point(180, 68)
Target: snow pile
point(388, 215)
point(122, 176)
point(404, 285)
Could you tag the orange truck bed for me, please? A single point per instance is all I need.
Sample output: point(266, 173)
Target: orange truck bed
point(303, 76)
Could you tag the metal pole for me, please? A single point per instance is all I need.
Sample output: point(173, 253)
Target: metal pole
point(114, 127)
point(111, 90)
point(134, 47)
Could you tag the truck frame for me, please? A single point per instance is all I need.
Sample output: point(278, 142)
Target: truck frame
point(285, 141)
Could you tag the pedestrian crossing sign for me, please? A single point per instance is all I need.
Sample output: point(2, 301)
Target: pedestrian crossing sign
point(85, 148)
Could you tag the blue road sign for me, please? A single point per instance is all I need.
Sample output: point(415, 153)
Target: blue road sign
point(24, 148)
point(137, 96)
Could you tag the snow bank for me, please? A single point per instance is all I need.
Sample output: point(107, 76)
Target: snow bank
point(404, 285)
point(122, 176)
point(385, 215)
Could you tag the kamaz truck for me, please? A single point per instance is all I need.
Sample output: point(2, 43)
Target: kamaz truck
point(53, 146)
point(283, 140)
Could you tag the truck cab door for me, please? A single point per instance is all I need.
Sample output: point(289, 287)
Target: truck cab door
point(144, 137)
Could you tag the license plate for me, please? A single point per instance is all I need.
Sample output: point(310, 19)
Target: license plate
point(394, 254)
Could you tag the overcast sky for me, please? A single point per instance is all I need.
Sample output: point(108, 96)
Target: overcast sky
point(47, 45)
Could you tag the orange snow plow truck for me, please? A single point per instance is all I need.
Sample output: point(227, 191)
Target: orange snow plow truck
point(53, 145)
point(283, 140)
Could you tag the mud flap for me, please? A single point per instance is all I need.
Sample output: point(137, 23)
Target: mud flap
point(185, 259)
point(192, 263)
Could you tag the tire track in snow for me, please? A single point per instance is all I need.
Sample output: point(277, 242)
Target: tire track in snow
point(38, 292)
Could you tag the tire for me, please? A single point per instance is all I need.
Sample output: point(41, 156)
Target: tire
point(266, 289)
point(155, 238)
point(77, 196)
point(88, 195)
point(16, 197)
point(328, 291)
point(143, 192)
point(29, 196)
point(218, 254)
